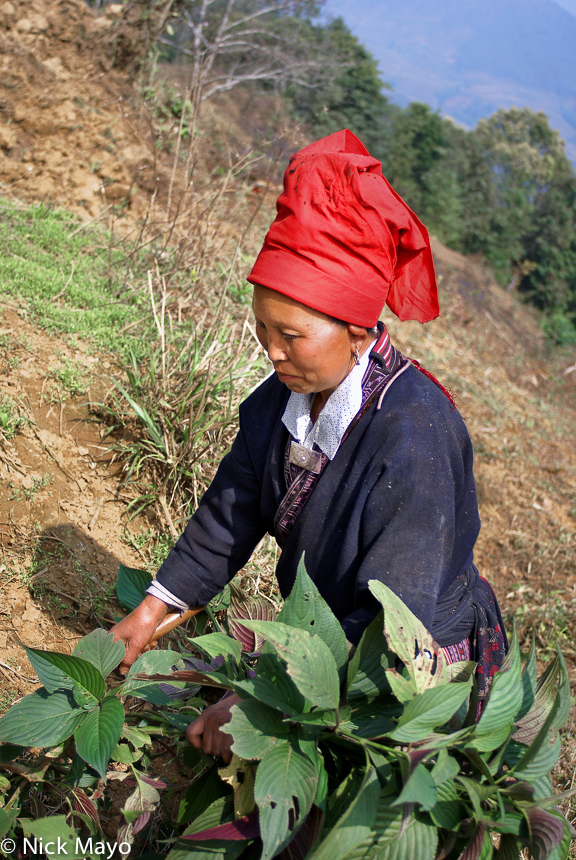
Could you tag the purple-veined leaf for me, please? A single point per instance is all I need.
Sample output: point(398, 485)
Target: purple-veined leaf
point(141, 822)
point(190, 676)
point(154, 782)
point(241, 828)
point(475, 848)
point(306, 838)
point(547, 831)
point(249, 609)
point(82, 803)
point(245, 609)
point(508, 848)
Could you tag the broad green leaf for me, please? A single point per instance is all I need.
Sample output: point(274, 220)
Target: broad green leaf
point(98, 733)
point(212, 850)
point(402, 688)
point(478, 792)
point(504, 702)
point(273, 686)
point(41, 719)
point(256, 729)
point(564, 694)
point(219, 645)
point(373, 718)
point(136, 737)
point(200, 795)
point(55, 829)
point(7, 820)
point(286, 783)
point(125, 754)
point(448, 811)
point(355, 824)
point(414, 644)
point(324, 717)
point(538, 765)
point(8, 752)
point(131, 585)
point(446, 767)
point(367, 669)
point(63, 672)
point(306, 609)
point(428, 710)
point(100, 649)
point(80, 774)
point(529, 682)
point(151, 663)
point(395, 838)
point(420, 788)
point(308, 659)
point(511, 823)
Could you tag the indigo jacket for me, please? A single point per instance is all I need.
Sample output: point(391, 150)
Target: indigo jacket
point(397, 503)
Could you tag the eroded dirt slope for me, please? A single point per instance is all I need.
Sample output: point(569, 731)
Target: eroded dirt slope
point(61, 519)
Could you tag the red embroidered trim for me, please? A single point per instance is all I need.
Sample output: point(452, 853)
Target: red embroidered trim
point(449, 394)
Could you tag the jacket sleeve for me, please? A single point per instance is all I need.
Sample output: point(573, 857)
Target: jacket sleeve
point(223, 532)
point(420, 518)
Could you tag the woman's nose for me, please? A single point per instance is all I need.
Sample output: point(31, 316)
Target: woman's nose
point(275, 350)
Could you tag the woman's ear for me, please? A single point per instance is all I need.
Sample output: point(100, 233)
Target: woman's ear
point(356, 331)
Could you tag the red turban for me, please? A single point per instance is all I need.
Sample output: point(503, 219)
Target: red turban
point(344, 242)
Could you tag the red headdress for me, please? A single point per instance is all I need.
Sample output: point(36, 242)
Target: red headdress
point(344, 242)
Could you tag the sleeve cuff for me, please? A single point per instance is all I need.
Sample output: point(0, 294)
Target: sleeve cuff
point(157, 590)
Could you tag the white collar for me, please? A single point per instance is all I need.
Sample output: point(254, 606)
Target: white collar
point(339, 410)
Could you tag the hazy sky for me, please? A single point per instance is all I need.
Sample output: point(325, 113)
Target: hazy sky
point(347, 9)
point(569, 5)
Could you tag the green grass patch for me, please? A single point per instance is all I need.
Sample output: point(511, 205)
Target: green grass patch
point(74, 282)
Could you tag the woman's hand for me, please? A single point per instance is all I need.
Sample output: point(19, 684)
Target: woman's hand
point(205, 733)
point(136, 630)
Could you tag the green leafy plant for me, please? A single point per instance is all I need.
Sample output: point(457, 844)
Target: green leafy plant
point(377, 754)
point(12, 417)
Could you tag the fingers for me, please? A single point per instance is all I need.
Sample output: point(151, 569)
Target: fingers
point(195, 731)
point(205, 733)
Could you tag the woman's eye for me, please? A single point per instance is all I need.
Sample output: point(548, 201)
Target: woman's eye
point(289, 336)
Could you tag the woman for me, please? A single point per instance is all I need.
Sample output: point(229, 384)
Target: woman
point(348, 452)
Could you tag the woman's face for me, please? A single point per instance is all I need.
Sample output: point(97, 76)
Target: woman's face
point(309, 351)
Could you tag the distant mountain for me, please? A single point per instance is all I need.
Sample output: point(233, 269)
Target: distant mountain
point(470, 57)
